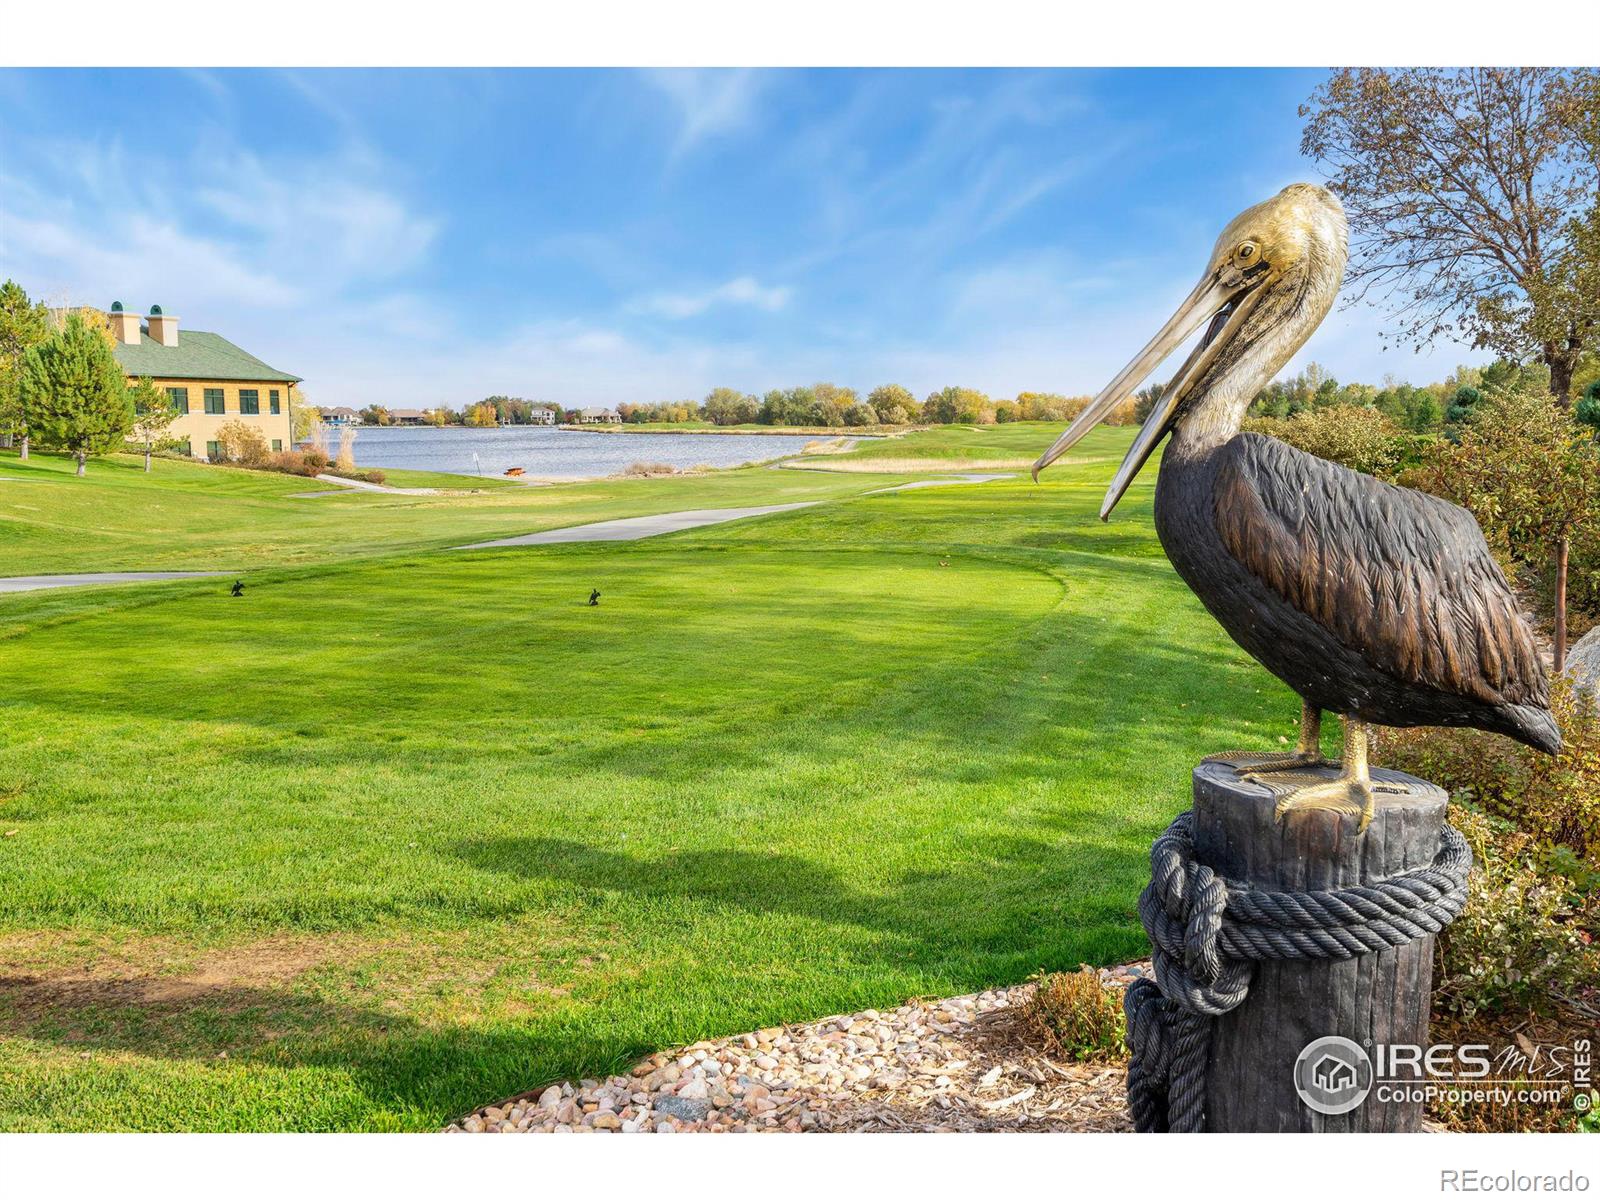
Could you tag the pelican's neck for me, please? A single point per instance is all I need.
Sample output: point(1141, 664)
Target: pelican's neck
point(1214, 417)
point(1214, 410)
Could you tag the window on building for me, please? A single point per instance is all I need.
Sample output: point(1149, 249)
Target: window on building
point(214, 401)
point(277, 444)
point(180, 398)
point(249, 401)
point(272, 399)
point(213, 450)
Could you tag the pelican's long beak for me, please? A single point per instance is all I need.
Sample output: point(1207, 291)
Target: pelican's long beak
point(1213, 299)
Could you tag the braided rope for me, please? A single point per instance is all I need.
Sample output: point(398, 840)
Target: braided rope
point(1208, 932)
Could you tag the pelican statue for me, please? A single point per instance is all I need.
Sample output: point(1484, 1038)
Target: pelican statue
point(1375, 602)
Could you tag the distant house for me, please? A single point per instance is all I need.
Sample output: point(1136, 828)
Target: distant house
point(599, 416)
point(207, 379)
point(407, 416)
point(543, 416)
point(341, 416)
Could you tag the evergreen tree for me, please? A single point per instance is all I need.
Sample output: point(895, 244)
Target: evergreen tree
point(74, 394)
point(23, 325)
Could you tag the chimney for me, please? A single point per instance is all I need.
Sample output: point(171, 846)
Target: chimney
point(163, 329)
point(125, 325)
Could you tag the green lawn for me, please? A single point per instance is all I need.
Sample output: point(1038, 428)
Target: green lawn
point(189, 516)
point(399, 833)
point(1011, 447)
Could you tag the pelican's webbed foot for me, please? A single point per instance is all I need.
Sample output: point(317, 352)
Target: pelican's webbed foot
point(1251, 764)
point(1352, 793)
point(1345, 796)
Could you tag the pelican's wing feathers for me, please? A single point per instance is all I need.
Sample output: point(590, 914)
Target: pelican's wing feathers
point(1403, 578)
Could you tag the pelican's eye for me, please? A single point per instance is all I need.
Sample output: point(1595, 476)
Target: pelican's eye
point(1247, 255)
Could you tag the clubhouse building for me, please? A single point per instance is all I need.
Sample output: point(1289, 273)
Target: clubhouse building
point(209, 380)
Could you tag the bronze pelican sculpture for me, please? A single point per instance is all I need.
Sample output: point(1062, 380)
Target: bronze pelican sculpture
point(1375, 602)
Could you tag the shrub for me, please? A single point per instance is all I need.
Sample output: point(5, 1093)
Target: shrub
point(1074, 1015)
point(1587, 410)
point(1556, 800)
point(316, 458)
point(647, 469)
point(1526, 932)
point(1362, 439)
point(243, 444)
point(290, 462)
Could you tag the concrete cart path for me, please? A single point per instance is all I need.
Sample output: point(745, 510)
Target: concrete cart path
point(631, 528)
point(35, 583)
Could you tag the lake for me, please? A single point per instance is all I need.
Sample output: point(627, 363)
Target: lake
point(558, 453)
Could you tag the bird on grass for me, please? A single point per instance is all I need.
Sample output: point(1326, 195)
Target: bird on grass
point(594, 598)
point(1375, 602)
point(238, 588)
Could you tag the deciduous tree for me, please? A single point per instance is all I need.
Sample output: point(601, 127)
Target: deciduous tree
point(153, 415)
point(730, 406)
point(893, 404)
point(1471, 198)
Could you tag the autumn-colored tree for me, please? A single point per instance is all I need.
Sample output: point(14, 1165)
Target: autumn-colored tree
point(153, 415)
point(74, 392)
point(893, 404)
point(1050, 406)
point(1531, 476)
point(1471, 198)
point(23, 325)
point(954, 406)
point(730, 406)
point(438, 417)
point(831, 402)
point(482, 416)
point(306, 422)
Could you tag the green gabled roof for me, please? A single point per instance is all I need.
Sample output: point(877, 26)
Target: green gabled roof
point(198, 355)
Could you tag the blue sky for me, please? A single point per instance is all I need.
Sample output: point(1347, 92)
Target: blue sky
point(422, 237)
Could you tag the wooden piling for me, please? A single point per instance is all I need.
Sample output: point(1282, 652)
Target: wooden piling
point(1381, 997)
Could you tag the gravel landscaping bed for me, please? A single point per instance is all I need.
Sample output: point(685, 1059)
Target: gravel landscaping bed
point(957, 1064)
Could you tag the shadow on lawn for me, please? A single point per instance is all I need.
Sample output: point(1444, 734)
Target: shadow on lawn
point(406, 1074)
point(986, 906)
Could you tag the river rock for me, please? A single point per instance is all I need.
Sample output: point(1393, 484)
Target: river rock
point(682, 1109)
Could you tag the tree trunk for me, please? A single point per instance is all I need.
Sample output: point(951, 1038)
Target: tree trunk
point(1562, 359)
point(22, 455)
point(147, 456)
point(1560, 380)
point(82, 459)
point(1561, 604)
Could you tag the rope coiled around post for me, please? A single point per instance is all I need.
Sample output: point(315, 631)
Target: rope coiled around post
point(1207, 933)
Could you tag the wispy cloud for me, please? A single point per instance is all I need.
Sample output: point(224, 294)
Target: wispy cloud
point(743, 291)
point(92, 226)
point(710, 103)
